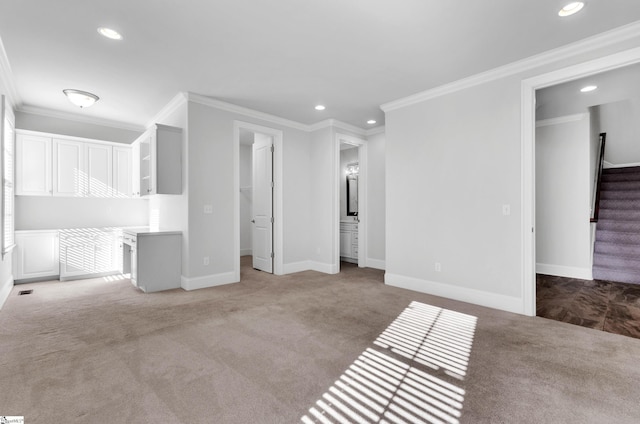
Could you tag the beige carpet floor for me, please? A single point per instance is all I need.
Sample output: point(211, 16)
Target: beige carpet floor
point(305, 346)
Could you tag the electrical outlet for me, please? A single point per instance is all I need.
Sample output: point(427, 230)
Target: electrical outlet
point(438, 267)
point(205, 261)
point(208, 209)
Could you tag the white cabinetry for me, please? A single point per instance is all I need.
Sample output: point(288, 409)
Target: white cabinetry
point(36, 254)
point(69, 178)
point(349, 241)
point(33, 165)
point(86, 251)
point(135, 168)
point(161, 160)
point(155, 259)
point(98, 170)
point(122, 171)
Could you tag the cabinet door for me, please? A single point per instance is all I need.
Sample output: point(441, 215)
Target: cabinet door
point(69, 175)
point(345, 244)
point(99, 170)
point(36, 254)
point(135, 169)
point(33, 165)
point(147, 180)
point(122, 171)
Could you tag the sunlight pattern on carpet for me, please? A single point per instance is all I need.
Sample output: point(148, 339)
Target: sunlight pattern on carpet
point(394, 381)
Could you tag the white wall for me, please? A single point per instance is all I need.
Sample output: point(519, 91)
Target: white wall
point(321, 214)
point(376, 201)
point(453, 159)
point(43, 213)
point(563, 197)
point(246, 196)
point(42, 123)
point(347, 156)
point(621, 121)
point(6, 263)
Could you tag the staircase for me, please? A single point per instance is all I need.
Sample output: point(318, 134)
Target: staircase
point(616, 254)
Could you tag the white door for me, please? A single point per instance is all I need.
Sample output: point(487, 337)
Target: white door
point(99, 170)
point(69, 175)
point(263, 203)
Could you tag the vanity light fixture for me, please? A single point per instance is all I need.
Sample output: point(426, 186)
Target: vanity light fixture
point(588, 88)
point(80, 98)
point(109, 33)
point(371, 121)
point(571, 8)
point(320, 107)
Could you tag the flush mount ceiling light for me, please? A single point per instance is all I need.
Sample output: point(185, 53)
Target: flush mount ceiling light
point(371, 121)
point(80, 98)
point(588, 88)
point(571, 8)
point(109, 33)
point(320, 107)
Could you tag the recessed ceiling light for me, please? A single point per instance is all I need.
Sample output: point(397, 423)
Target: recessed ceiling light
point(80, 98)
point(110, 33)
point(371, 121)
point(571, 8)
point(320, 107)
point(588, 88)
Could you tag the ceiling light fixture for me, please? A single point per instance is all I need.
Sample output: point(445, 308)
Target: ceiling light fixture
point(80, 98)
point(109, 33)
point(371, 121)
point(571, 8)
point(588, 88)
point(320, 107)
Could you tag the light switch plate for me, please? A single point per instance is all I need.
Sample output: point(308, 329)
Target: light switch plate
point(208, 208)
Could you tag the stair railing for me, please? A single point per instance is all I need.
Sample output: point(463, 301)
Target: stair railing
point(595, 211)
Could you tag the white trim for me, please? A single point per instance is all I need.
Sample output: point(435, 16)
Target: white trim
point(527, 107)
point(5, 291)
point(463, 294)
point(177, 101)
point(293, 267)
point(34, 110)
point(6, 79)
point(377, 130)
point(324, 268)
point(376, 264)
point(565, 271)
point(229, 107)
point(362, 198)
point(206, 281)
point(586, 45)
point(610, 165)
point(246, 252)
point(278, 205)
point(561, 120)
point(71, 138)
point(327, 123)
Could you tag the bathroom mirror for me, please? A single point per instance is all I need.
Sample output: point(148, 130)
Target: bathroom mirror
point(352, 189)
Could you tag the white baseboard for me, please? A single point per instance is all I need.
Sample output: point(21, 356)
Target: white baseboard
point(565, 271)
point(208, 281)
point(376, 263)
point(5, 290)
point(463, 294)
point(246, 252)
point(310, 266)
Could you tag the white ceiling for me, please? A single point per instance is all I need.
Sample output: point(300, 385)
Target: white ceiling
point(280, 57)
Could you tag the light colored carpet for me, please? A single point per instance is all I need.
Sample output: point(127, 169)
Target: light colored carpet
point(269, 349)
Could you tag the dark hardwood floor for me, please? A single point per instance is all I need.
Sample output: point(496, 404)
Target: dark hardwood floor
point(601, 305)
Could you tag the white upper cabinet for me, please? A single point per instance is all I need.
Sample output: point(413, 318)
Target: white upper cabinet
point(49, 165)
point(98, 170)
point(161, 160)
point(33, 165)
point(69, 176)
point(122, 170)
point(135, 169)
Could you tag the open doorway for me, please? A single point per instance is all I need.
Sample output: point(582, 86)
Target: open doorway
point(258, 187)
point(350, 215)
point(533, 215)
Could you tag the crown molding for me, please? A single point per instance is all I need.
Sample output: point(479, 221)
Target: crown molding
point(229, 107)
point(6, 79)
point(377, 130)
point(177, 101)
point(585, 45)
point(336, 124)
point(79, 118)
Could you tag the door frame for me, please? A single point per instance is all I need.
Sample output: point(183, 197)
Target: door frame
point(528, 119)
point(278, 233)
point(362, 198)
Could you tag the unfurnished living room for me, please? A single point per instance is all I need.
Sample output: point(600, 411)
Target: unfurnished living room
point(320, 212)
